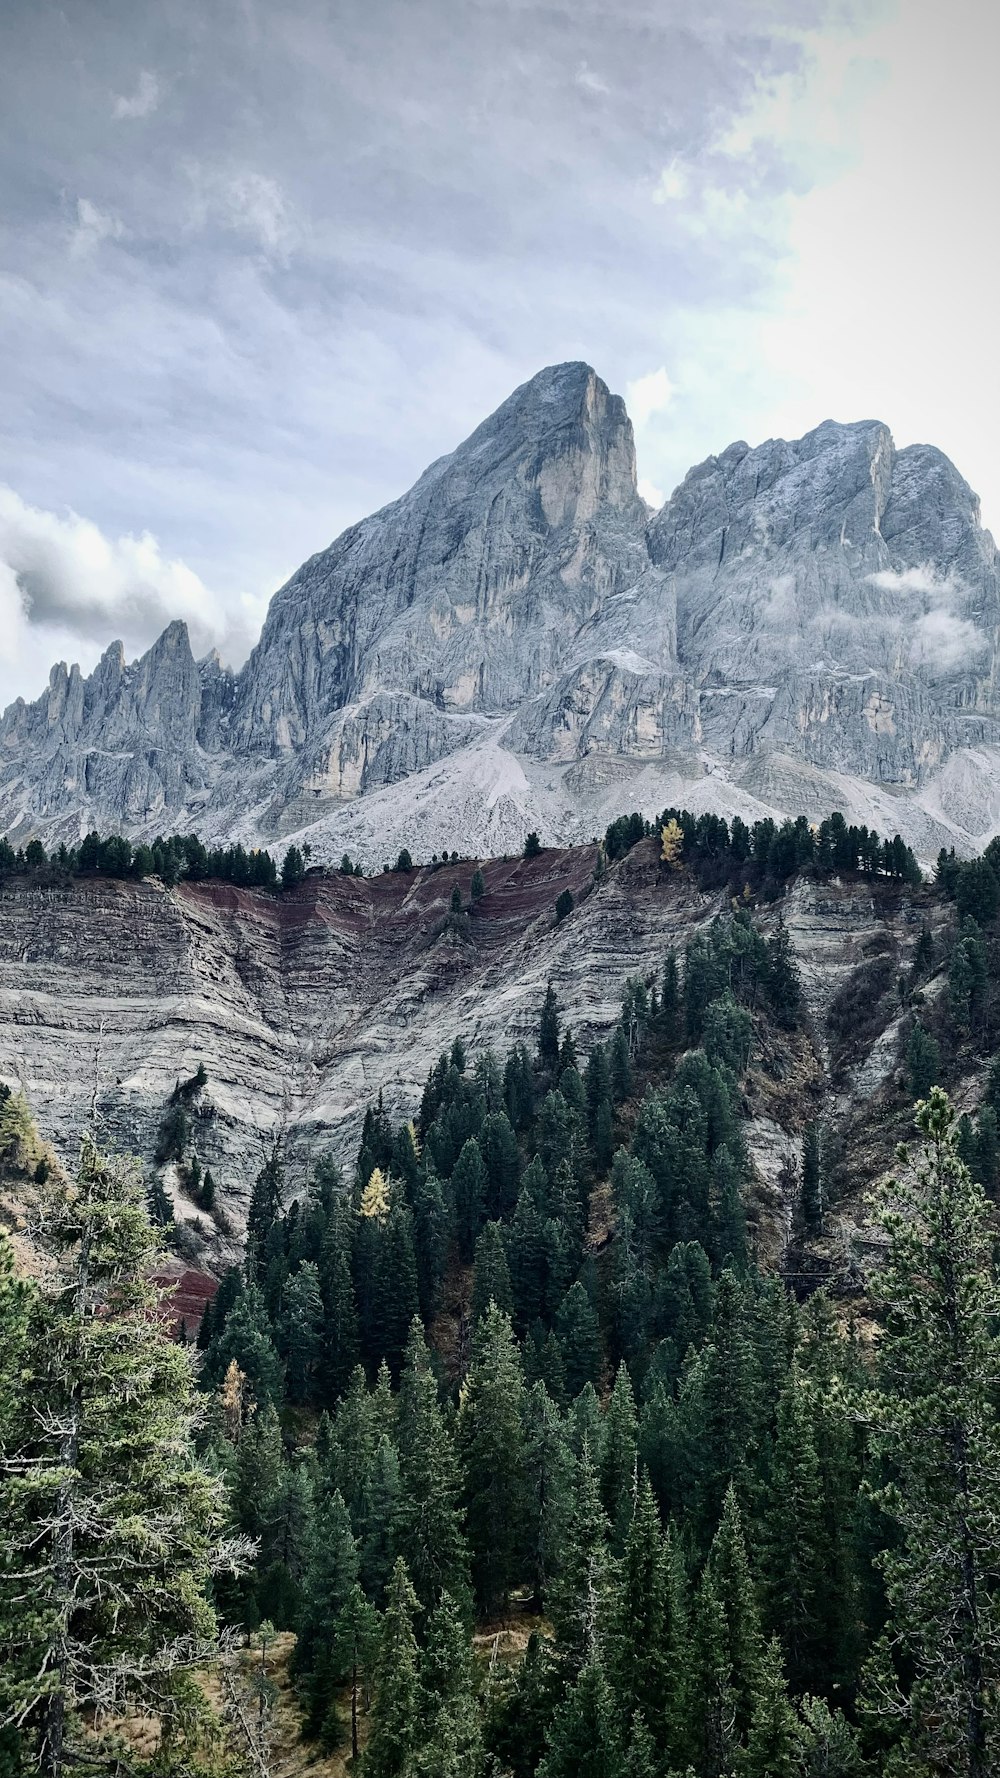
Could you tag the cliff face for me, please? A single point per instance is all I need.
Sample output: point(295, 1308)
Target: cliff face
point(304, 1007)
point(518, 643)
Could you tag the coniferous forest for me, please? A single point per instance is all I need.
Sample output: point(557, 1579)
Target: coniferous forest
point(510, 1437)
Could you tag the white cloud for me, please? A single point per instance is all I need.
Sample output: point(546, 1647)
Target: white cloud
point(92, 227)
point(246, 203)
point(67, 590)
point(141, 103)
point(941, 638)
point(649, 492)
point(589, 81)
point(648, 395)
point(673, 183)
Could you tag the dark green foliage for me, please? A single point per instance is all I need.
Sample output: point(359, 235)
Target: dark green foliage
point(293, 868)
point(404, 862)
point(923, 1062)
point(548, 1030)
point(477, 888)
point(532, 846)
point(564, 905)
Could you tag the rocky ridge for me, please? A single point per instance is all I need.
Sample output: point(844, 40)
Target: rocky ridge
point(303, 1007)
point(518, 642)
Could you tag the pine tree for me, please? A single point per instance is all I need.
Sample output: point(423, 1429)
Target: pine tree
point(579, 1338)
point(548, 1488)
point(392, 1746)
point(644, 1656)
point(933, 1417)
point(784, 984)
point(430, 1514)
point(774, 1741)
point(265, 1207)
point(489, 1442)
point(477, 888)
point(302, 1331)
point(491, 1277)
point(577, 1597)
point(923, 1062)
point(583, 1739)
point(356, 1636)
point(734, 1589)
point(468, 1183)
point(110, 1525)
point(670, 1001)
point(794, 1554)
point(449, 1732)
point(548, 1031)
point(619, 1457)
point(330, 1579)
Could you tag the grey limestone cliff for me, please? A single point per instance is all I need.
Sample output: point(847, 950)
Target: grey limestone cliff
point(517, 642)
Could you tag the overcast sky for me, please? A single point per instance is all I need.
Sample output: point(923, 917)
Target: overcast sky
point(262, 260)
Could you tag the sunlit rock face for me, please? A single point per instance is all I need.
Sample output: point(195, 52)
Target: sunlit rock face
point(517, 642)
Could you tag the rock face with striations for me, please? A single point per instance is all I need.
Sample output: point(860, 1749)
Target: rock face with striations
point(518, 643)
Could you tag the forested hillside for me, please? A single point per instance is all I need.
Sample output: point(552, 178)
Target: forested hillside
point(511, 1447)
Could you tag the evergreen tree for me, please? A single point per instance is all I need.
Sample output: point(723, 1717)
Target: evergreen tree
point(449, 1732)
point(774, 1742)
point(579, 1338)
point(784, 984)
point(491, 1277)
point(577, 1596)
point(477, 888)
point(548, 1031)
point(583, 1738)
point(489, 1440)
point(430, 1514)
point(670, 1001)
point(330, 1579)
point(933, 1417)
point(111, 1527)
point(468, 1183)
point(795, 1554)
point(302, 1331)
point(923, 1062)
point(293, 868)
point(548, 1488)
point(393, 1742)
point(619, 1457)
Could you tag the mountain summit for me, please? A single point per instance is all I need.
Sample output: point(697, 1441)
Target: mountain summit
point(516, 643)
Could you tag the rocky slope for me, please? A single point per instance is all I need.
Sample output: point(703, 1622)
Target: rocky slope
point(303, 1007)
point(518, 642)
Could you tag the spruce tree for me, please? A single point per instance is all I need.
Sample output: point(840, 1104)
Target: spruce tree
point(393, 1743)
point(774, 1742)
point(583, 1739)
point(619, 1457)
point(548, 1489)
point(111, 1526)
point(577, 1596)
point(491, 1276)
point(448, 1724)
point(489, 1442)
point(548, 1031)
point(794, 1553)
point(430, 1512)
point(932, 1417)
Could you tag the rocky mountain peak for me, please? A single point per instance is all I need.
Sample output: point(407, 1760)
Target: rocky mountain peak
point(516, 642)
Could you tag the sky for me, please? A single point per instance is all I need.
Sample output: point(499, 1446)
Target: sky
point(260, 263)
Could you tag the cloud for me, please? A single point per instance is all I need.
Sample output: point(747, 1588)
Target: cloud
point(141, 103)
point(673, 184)
point(649, 492)
point(246, 203)
point(940, 637)
point(943, 641)
point(648, 395)
point(92, 227)
point(66, 588)
point(589, 81)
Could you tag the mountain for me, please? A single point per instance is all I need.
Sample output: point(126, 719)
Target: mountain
point(518, 642)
